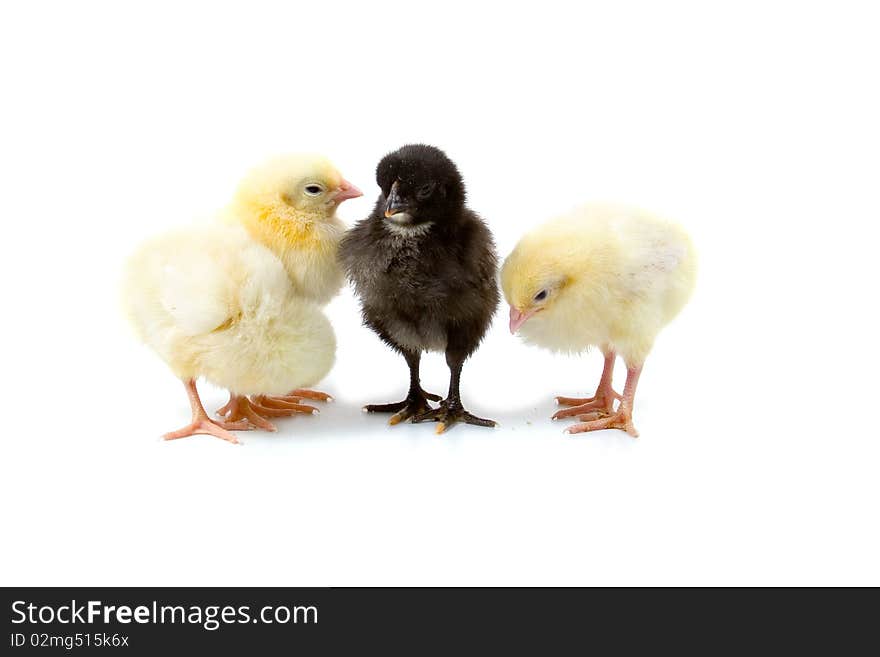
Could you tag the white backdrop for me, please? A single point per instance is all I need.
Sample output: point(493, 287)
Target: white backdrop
point(755, 124)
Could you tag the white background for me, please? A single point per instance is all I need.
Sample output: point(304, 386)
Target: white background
point(755, 124)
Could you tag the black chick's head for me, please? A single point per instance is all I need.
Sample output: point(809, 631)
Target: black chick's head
point(420, 185)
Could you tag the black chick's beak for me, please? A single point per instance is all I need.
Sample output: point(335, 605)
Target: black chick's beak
point(394, 205)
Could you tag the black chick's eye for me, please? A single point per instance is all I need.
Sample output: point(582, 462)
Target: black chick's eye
point(313, 190)
point(540, 296)
point(425, 191)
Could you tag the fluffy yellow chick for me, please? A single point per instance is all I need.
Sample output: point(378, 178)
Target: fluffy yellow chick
point(238, 301)
point(289, 205)
point(605, 276)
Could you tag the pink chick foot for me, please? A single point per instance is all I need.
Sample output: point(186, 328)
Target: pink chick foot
point(601, 403)
point(208, 426)
point(622, 420)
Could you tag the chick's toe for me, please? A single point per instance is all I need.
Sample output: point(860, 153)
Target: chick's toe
point(255, 411)
point(449, 414)
point(622, 420)
point(603, 404)
point(413, 405)
point(240, 409)
point(205, 425)
point(315, 395)
point(283, 406)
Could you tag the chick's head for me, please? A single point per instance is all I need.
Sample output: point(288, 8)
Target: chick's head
point(420, 185)
point(294, 188)
point(535, 279)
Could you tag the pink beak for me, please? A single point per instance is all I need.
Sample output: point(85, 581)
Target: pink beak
point(346, 191)
point(518, 318)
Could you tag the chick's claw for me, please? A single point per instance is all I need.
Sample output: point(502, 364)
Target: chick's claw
point(240, 408)
point(600, 403)
point(404, 410)
point(448, 415)
point(622, 420)
point(405, 414)
point(257, 409)
point(283, 406)
point(386, 408)
point(302, 393)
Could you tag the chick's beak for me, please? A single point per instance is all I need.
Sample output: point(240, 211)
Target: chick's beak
point(346, 191)
point(394, 205)
point(518, 318)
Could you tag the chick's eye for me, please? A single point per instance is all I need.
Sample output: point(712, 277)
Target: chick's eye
point(313, 190)
point(540, 296)
point(425, 190)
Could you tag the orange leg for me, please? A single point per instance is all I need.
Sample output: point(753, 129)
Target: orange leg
point(602, 402)
point(201, 423)
point(620, 419)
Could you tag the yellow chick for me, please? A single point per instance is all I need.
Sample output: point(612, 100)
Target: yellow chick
point(289, 205)
point(238, 301)
point(605, 276)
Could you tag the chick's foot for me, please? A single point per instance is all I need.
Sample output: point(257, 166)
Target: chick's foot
point(283, 406)
point(449, 414)
point(205, 425)
point(602, 403)
point(202, 424)
point(415, 404)
point(240, 409)
point(256, 410)
point(622, 419)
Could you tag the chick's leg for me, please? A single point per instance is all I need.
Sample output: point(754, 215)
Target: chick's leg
point(201, 423)
point(620, 419)
point(451, 411)
point(602, 402)
point(416, 400)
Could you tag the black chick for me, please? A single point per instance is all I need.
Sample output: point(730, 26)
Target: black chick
point(424, 267)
